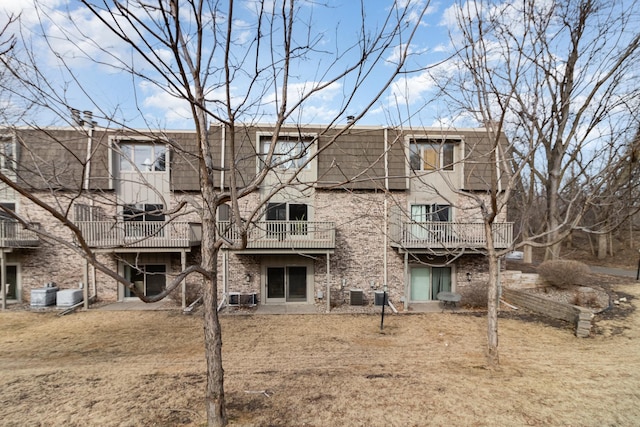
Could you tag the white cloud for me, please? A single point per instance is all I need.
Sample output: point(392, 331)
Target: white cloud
point(298, 91)
point(408, 90)
point(173, 109)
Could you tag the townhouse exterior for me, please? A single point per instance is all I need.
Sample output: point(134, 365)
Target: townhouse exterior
point(342, 214)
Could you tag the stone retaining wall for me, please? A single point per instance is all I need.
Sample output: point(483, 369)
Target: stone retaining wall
point(579, 316)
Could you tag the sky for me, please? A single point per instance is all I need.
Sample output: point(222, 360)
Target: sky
point(89, 67)
point(82, 59)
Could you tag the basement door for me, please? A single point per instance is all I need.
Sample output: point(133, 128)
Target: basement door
point(427, 282)
point(286, 284)
point(149, 279)
point(420, 284)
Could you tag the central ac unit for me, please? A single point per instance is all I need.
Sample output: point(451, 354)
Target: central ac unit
point(234, 299)
point(250, 300)
point(356, 297)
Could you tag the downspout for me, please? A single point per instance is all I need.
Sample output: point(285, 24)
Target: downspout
point(3, 287)
point(225, 255)
point(222, 155)
point(386, 207)
point(90, 124)
point(498, 174)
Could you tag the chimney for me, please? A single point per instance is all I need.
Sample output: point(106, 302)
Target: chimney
point(88, 118)
point(75, 117)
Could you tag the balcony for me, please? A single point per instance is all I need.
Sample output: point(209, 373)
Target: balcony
point(140, 234)
point(283, 236)
point(443, 236)
point(14, 235)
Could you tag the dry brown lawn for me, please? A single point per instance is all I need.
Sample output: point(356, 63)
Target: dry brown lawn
point(104, 368)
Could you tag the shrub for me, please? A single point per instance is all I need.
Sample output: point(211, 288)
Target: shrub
point(475, 296)
point(563, 273)
point(193, 292)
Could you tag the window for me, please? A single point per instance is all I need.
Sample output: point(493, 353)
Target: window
point(288, 218)
point(8, 224)
point(431, 154)
point(7, 152)
point(428, 224)
point(224, 213)
point(149, 279)
point(143, 157)
point(6, 208)
point(146, 212)
point(143, 220)
point(287, 284)
point(88, 213)
point(427, 282)
point(290, 152)
point(430, 213)
point(11, 282)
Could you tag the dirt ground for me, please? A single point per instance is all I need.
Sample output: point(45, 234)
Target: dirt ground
point(104, 368)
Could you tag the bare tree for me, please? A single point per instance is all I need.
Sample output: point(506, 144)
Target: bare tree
point(554, 77)
point(564, 70)
point(197, 52)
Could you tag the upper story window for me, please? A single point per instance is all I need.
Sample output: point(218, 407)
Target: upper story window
point(7, 207)
point(285, 219)
point(143, 157)
point(290, 152)
point(143, 212)
point(7, 152)
point(431, 213)
point(84, 212)
point(224, 212)
point(431, 154)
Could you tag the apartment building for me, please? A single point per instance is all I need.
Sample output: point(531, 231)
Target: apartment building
point(371, 208)
point(342, 213)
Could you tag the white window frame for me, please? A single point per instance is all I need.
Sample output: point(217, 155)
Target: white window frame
point(438, 145)
point(7, 162)
point(292, 152)
point(130, 155)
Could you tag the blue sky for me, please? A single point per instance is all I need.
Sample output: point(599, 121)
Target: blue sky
point(109, 91)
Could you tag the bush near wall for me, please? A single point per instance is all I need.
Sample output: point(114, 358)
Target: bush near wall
point(563, 273)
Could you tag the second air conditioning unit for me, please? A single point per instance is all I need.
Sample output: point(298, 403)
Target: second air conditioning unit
point(356, 297)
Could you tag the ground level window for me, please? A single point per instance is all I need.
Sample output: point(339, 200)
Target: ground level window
point(149, 279)
point(427, 282)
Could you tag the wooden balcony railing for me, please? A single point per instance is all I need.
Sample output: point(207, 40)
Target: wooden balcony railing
point(449, 235)
point(140, 234)
point(285, 235)
point(14, 235)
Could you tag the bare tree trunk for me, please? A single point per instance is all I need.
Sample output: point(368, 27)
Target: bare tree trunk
point(602, 246)
point(214, 396)
point(553, 249)
point(493, 358)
